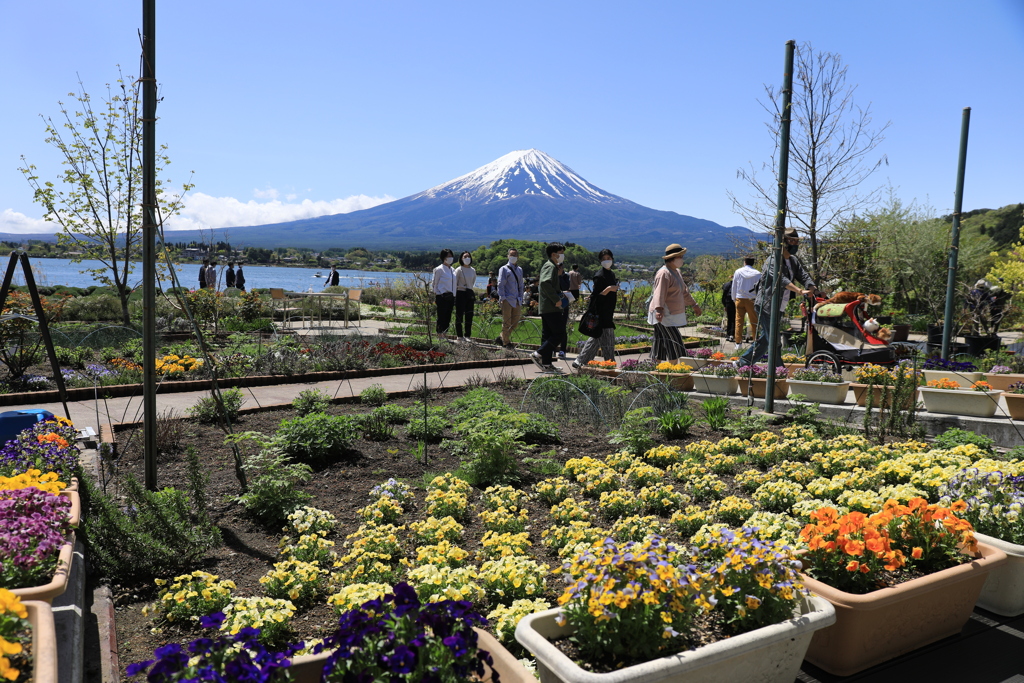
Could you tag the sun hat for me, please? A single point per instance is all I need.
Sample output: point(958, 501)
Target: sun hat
point(673, 250)
point(791, 233)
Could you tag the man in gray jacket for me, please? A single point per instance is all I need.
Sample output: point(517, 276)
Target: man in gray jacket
point(792, 272)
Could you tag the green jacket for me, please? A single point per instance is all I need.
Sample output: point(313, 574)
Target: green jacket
point(548, 290)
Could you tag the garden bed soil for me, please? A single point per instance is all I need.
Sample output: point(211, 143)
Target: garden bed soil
point(249, 549)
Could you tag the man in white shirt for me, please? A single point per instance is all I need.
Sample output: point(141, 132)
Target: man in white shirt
point(744, 286)
point(511, 290)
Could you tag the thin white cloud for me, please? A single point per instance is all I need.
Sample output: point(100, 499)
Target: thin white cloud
point(269, 193)
point(12, 221)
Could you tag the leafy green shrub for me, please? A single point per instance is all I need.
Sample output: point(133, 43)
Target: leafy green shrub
point(208, 411)
point(418, 343)
point(273, 480)
point(152, 533)
point(374, 395)
point(73, 357)
point(376, 427)
point(431, 429)
point(716, 412)
point(317, 439)
point(675, 424)
point(311, 401)
point(493, 457)
point(951, 438)
point(635, 431)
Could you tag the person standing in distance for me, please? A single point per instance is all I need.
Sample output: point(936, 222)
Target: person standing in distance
point(669, 300)
point(240, 278)
point(575, 280)
point(333, 277)
point(202, 273)
point(211, 277)
point(549, 293)
point(602, 302)
point(465, 297)
point(791, 273)
point(444, 291)
point(511, 292)
point(229, 276)
point(744, 284)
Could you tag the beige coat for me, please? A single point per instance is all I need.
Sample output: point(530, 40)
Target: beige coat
point(670, 292)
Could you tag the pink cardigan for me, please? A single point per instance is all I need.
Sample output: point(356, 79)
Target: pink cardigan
point(670, 293)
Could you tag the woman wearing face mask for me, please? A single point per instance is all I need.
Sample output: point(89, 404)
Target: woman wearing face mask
point(444, 291)
point(669, 300)
point(602, 302)
point(465, 278)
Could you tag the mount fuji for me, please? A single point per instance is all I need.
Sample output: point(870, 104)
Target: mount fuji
point(522, 195)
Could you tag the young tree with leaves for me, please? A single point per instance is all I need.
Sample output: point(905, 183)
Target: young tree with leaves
point(97, 199)
point(831, 148)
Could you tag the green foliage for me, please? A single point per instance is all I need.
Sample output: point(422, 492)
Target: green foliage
point(393, 414)
point(208, 410)
point(953, 437)
point(801, 412)
point(311, 401)
point(153, 533)
point(716, 412)
point(748, 424)
point(374, 395)
point(493, 457)
point(675, 424)
point(317, 439)
point(273, 491)
point(376, 426)
point(73, 357)
point(635, 431)
point(431, 429)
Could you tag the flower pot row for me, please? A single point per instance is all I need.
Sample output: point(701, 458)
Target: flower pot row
point(58, 584)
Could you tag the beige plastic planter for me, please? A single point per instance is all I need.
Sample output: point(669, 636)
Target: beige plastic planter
point(968, 403)
point(47, 592)
point(709, 384)
point(309, 668)
point(1004, 590)
point(681, 381)
point(1014, 405)
point(75, 513)
point(759, 387)
point(964, 379)
point(771, 654)
point(1003, 382)
point(695, 363)
point(875, 627)
point(820, 392)
point(44, 641)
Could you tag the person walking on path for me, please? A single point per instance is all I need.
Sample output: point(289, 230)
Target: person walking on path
point(563, 288)
point(730, 309)
point(202, 274)
point(602, 302)
point(465, 297)
point(511, 293)
point(792, 272)
point(667, 311)
point(229, 276)
point(240, 278)
point(744, 290)
point(333, 277)
point(211, 277)
point(550, 305)
point(444, 291)
point(575, 280)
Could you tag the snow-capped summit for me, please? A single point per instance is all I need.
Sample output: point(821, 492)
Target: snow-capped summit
point(517, 174)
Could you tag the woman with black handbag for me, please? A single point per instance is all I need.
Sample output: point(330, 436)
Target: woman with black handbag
point(602, 303)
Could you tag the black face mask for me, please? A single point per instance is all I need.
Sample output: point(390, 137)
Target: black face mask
point(792, 248)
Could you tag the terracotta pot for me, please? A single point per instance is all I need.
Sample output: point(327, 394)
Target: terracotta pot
point(759, 387)
point(820, 392)
point(1004, 590)
point(964, 379)
point(961, 402)
point(878, 626)
point(47, 592)
point(44, 641)
point(860, 392)
point(771, 654)
point(709, 384)
point(309, 668)
point(1014, 405)
point(1003, 382)
point(677, 380)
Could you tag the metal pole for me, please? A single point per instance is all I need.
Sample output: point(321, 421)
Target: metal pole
point(148, 77)
point(954, 249)
point(780, 226)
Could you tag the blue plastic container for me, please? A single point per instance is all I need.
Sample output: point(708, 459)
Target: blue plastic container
point(13, 422)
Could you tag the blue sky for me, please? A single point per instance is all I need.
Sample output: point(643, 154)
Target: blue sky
point(287, 110)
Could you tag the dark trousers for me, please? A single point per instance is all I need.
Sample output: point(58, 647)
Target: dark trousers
point(730, 316)
point(759, 348)
point(464, 300)
point(668, 344)
point(565, 330)
point(445, 304)
point(552, 335)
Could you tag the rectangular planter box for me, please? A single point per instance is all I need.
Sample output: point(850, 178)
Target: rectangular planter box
point(771, 654)
point(1004, 590)
point(695, 363)
point(964, 379)
point(1003, 382)
point(820, 392)
point(1014, 405)
point(44, 641)
point(47, 592)
point(759, 387)
point(875, 627)
point(961, 402)
point(677, 380)
point(709, 384)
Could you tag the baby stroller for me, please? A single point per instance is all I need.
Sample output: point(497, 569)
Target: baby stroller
point(837, 340)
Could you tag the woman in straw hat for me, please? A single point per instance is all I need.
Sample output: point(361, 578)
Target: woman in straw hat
point(669, 301)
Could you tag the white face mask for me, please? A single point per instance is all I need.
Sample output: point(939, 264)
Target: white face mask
point(448, 260)
point(513, 259)
point(467, 261)
point(677, 263)
point(561, 257)
point(607, 264)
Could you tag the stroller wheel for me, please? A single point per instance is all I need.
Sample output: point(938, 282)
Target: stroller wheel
point(824, 360)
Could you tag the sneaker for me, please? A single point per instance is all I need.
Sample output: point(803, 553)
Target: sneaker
point(576, 366)
point(550, 370)
point(561, 355)
point(535, 357)
point(498, 342)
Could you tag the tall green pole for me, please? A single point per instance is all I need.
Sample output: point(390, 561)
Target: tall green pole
point(148, 77)
point(954, 249)
point(780, 226)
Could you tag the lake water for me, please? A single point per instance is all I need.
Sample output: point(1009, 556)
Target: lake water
point(52, 272)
